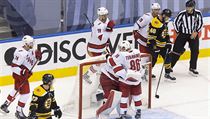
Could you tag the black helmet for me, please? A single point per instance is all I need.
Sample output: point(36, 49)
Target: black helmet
point(190, 3)
point(167, 12)
point(46, 78)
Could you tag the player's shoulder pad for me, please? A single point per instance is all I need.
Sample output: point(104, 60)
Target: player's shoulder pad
point(20, 52)
point(156, 23)
point(146, 16)
point(95, 23)
point(39, 91)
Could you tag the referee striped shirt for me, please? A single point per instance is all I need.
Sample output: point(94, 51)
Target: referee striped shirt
point(188, 23)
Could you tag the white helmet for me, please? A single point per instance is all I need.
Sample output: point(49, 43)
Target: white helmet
point(28, 40)
point(155, 6)
point(124, 44)
point(102, 11)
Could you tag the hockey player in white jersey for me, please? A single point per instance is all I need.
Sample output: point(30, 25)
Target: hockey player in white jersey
point(24, 60)
point(100, 38)
point(141, 27)
point(122, 73)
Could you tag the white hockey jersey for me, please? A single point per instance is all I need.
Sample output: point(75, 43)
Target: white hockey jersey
point(99, 37)
point(118, 64)
point(142, 25)
point(23, 59)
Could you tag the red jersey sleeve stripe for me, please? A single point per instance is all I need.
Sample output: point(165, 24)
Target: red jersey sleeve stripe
point(116, 69)
point(94, 46)
point(112, 62)
point(14, 65)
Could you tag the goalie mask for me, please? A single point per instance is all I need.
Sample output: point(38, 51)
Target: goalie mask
point(124, 46)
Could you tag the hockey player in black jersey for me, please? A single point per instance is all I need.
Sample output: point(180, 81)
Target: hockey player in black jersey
point(159, 41)
point(43, 100)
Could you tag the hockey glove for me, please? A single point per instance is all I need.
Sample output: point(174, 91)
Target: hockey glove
point(151, 45)
point(38, 54)
point(57, 112)
point(32, 115)
point(110, 26)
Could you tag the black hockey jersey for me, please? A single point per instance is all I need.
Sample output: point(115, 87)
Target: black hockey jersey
point(44, 101)
point(158, 31)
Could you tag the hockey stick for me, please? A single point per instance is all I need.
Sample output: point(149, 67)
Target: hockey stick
point(91, 24)
point(13, 98)
point(156, 95)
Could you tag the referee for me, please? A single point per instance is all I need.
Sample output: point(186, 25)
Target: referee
point(187, 24)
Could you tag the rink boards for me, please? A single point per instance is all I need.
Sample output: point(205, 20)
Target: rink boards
point(63, 51)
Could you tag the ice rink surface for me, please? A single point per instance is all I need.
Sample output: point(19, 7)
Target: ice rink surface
point(188, 98)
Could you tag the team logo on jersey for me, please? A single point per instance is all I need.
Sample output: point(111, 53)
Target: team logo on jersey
point(156, 22)
point(30, 61)
point(47, 103)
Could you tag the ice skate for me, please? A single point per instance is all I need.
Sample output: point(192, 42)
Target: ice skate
point(170, 78)
point(193, 72)
point(4, 107)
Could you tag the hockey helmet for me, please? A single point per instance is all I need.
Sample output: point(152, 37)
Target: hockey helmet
point(102, 11)
point(124, 46)
point(28, 41)
point(167, 12)
point(155, 6)
point(46, 78)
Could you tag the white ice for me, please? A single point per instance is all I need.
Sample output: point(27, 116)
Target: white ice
point(189, 97)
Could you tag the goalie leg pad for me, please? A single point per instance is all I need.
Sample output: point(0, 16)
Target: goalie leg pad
point(107, 85)
point(112, 101)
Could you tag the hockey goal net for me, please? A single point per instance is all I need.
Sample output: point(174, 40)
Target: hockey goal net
point(83, 104)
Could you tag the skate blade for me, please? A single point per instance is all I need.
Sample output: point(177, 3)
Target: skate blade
point(192, 74)
point(170, 81)
point(3, 112)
